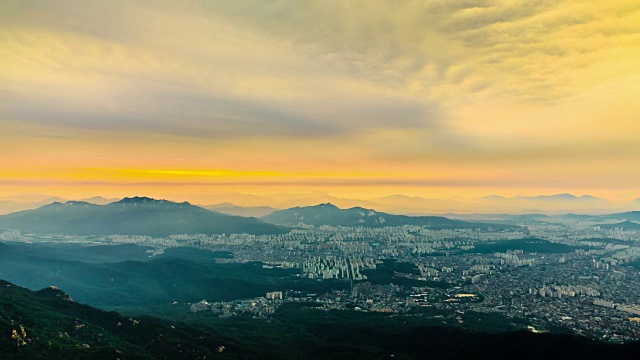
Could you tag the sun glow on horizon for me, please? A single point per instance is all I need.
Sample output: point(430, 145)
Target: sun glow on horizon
point(354, 98)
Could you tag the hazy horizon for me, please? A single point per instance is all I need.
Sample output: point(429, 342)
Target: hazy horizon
point(551, 204)
point(354, 98)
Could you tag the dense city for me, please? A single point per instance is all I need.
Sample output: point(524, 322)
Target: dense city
point(564, 276)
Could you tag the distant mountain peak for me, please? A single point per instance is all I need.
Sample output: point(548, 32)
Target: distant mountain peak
point(563, 196)
point(223, 204)
point(137, 199)
point(360, 208)
point(493, 197)
point(147, 200)
point(326, 206)
point(98, 200)
point(398, 196)
point(78, 203)
point(53, 205)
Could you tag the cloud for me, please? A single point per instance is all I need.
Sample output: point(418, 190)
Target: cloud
point(372, 63)
point(527, 49)
point(213, 81)
point(365, 84)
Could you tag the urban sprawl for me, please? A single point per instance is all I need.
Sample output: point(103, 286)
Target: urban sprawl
point(568, 274)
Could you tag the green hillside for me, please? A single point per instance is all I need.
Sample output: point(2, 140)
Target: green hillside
point(48, 324)
point(178, 275)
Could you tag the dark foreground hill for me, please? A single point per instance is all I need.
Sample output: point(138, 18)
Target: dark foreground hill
point(48, 324)
point(133, 216)
point(329, 214)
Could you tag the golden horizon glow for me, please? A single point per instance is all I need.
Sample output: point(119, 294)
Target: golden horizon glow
point(353, 98)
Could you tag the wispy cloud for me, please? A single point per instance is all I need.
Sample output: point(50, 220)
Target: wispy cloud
point(399, 86)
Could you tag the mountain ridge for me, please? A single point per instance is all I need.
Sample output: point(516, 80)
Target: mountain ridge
point(246, 211)
point(331, 215)
point(133, 216)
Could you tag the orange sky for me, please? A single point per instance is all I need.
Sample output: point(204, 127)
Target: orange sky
point(354, 98)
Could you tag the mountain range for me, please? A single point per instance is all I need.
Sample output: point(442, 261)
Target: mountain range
point(246, 211)
point(607, 220)
point(331, 215)
point(12, 205)
point(262, 205)
point(414, 205)
point(161, 218)
point(132, 216)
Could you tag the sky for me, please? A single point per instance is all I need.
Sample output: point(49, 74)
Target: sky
point(354, 98)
